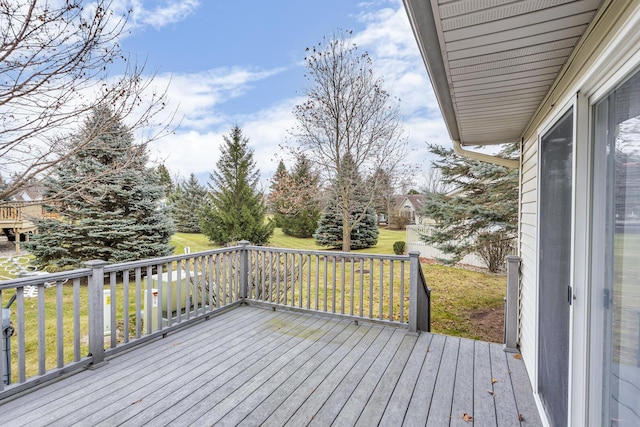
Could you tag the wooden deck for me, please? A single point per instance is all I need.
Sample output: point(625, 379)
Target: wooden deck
point(252, 366)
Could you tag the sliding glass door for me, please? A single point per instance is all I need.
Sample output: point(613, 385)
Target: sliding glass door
point(616, 249)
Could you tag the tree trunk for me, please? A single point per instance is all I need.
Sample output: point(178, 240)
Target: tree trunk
point(346, 231)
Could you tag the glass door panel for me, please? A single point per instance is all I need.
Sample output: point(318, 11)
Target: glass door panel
point(617, 133)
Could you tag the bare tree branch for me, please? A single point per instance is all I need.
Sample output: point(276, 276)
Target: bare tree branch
point(54, 68)
point(348, 115)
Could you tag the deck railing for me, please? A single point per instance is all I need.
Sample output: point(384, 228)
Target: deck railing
point(62, 322)
point(20, 211)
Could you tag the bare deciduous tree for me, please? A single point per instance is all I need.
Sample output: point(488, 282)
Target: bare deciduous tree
point(55, 58)
point(432, 182)
point(348, 115)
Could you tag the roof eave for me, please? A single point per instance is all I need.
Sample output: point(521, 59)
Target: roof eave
point(420, 11)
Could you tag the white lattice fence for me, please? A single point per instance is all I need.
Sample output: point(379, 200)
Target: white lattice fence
point(415, 243)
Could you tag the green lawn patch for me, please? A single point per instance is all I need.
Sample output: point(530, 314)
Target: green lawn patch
point(464, 303)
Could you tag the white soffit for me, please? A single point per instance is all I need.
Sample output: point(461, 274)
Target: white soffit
point(499, 58)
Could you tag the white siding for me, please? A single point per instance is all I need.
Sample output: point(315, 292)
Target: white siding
point(528, 245)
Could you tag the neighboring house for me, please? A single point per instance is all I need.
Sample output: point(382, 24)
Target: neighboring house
point(562, 78)
point(410, 206)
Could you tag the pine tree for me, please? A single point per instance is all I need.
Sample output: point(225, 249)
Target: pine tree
point(116, 218)
point(237, 209)
point(294, 198)
point(186, 203)
point(363, 235)
point(480, 215)
point(305, 186)
point(362, 218)
point(278, 193)
point(164, 179)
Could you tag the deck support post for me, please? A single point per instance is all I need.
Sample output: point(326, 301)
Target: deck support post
point(96, 312)
point(511, 305)
point(414, 266)
point(244, 269)
point(419, 296)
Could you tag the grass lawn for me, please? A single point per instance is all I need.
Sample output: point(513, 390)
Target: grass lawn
point(464, 303)
point(198, 242)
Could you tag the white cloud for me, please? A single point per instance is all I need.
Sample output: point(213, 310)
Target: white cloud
point(389, 40)
point(163, 14)
point(196, 151)
point(197, 97)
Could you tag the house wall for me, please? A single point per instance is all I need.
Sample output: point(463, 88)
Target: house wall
point(608, 52)
point(528, 251)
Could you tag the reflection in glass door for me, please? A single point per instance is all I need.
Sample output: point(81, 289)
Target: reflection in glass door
point(617, 137)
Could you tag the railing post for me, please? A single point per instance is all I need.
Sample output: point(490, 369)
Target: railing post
point(244, 269)
point(414, 265)
point(96, 312)
point(511, 305)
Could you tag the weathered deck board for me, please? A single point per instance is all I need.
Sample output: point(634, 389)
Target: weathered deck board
point(305, 413)
point(358, 400)
point(200, 382)
point(128, 364)
point(484, 409)
point(440, 411)
point(462, 404)
point(251, 366)
point(420, 404)
point(399, 400)
point(506, 409)
point(334, 404)
point(522, 389)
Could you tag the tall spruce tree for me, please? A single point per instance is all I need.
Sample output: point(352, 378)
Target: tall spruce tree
point(237, 210)
point(278, 194)
point(118, 217)
point(164, 179)
point(186, 203)
point(305, 185)
point(480, 214)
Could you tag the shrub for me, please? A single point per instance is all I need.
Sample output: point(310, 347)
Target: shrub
point(493, 249)
point(398, 247)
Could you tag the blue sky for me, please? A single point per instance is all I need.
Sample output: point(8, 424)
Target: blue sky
point(228, 62)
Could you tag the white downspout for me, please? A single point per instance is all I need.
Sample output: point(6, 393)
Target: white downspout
point(487, 158)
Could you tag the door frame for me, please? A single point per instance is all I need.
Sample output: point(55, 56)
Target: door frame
point(548, 124)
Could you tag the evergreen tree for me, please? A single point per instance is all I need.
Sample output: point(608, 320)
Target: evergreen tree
point(237, 210)
point(164, 179)
point(363, 222)
point(186, 203)
point(305, 186)
point(117, 218)
point(480, 214)
point(294, 198)
point(363, 235)
point(278, 194)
